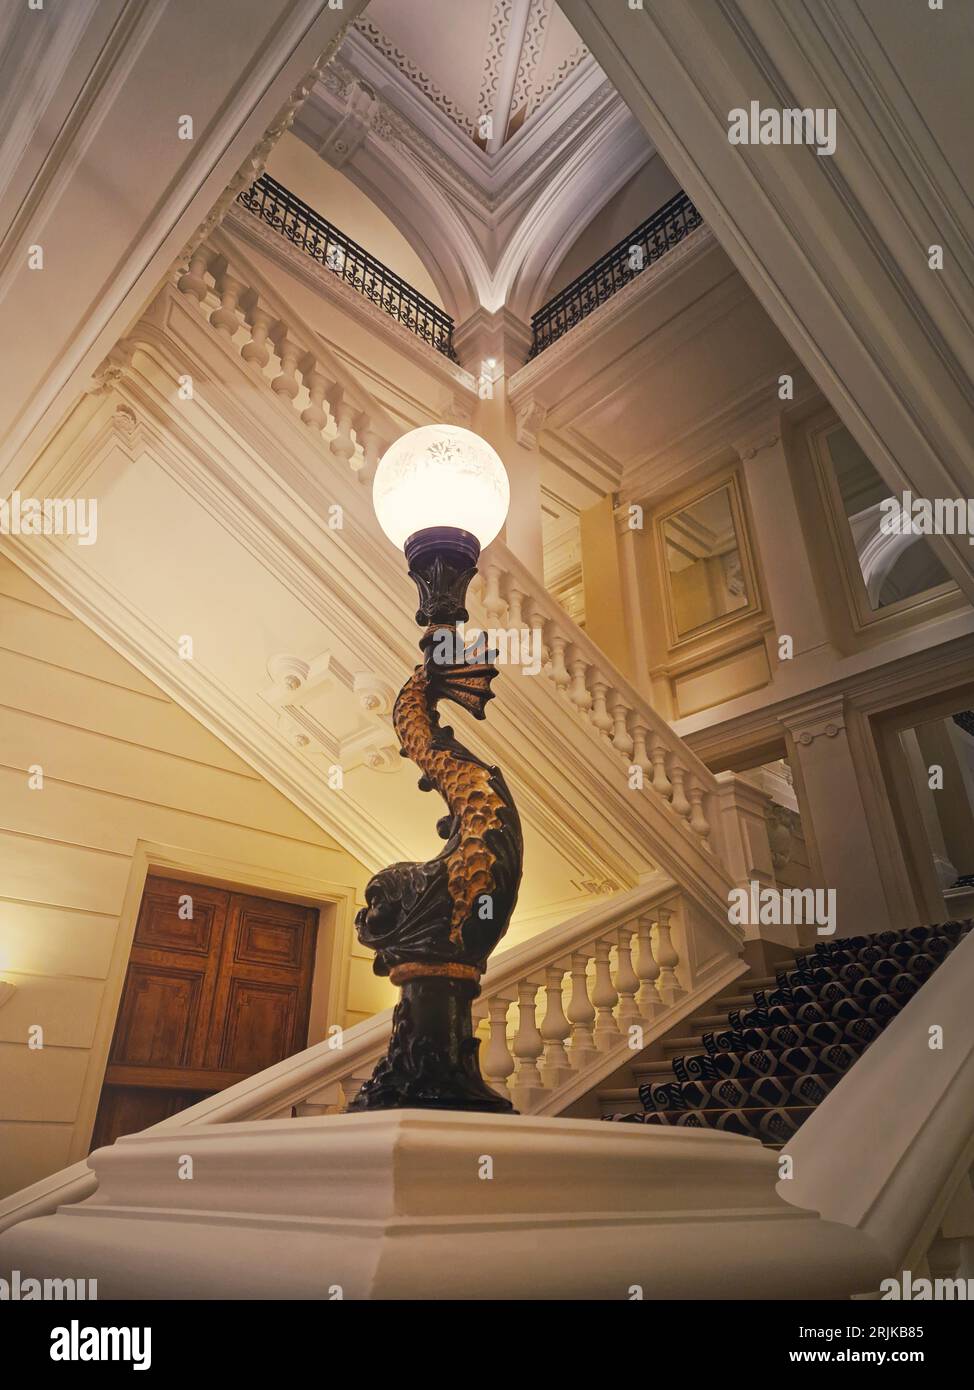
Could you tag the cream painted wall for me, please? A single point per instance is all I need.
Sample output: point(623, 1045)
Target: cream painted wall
point(123, 767)
point(337, 199)
point(638, 199)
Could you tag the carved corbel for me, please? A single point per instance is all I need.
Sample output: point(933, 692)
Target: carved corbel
point(529, 417)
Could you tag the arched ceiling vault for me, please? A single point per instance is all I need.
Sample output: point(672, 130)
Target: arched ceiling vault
point(491, 170)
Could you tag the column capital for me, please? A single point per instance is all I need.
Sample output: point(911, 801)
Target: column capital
point(760, 435)
point(817, 719)
point(497, 336)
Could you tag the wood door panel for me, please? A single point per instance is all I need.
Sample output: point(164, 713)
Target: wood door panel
point(159, 1017)
point(260, 1025)
point(164, 926)
point(129, 1109)
point(170, 1078)
point(263, 940)
point(209, 999)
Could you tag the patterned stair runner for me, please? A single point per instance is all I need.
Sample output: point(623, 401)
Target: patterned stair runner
point(764, 1075)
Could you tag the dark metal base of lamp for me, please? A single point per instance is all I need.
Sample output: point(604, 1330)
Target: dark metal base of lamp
point(433, 1057)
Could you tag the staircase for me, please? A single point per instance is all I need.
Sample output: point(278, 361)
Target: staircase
point(390, 1204)
point(765, 1068)
point(654, 1067)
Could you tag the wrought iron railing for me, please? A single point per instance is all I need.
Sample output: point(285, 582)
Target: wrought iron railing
point(611, 272)
point(294, 219)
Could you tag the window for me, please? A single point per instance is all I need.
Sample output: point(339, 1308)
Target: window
point(893, 569)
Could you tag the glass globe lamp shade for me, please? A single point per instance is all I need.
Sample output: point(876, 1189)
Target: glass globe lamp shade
point(441, 476)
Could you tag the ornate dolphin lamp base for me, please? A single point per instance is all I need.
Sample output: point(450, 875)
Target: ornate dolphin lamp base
point(433, 924)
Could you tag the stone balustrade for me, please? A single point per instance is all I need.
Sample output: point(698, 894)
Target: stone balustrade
point(293, 364)
point(559, 1012)
point(653, 756)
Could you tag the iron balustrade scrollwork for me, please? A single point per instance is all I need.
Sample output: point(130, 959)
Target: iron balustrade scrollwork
point(613, 271)
point(276, 205)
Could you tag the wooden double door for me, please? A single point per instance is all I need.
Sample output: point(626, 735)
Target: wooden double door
point(218, 988)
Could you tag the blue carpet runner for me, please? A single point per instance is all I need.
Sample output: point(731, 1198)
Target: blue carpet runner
point(764, 1075)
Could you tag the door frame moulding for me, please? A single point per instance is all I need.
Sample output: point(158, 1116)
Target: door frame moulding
point(329, 991)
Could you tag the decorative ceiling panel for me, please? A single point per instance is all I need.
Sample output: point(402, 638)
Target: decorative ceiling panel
point(489, 66)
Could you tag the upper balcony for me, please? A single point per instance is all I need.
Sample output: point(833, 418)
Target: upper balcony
point(613, 271)
point(286, 213)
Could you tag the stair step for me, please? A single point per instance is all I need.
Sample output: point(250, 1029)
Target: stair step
point(678, 1046)
point(621, 1098)
point(708, 1022)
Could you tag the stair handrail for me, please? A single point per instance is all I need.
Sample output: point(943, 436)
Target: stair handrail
point(509, 595)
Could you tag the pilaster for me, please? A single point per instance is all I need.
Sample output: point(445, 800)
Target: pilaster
point(834, 815)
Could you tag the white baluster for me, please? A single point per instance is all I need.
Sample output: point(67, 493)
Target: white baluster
point(256, 350)
point(343, 445)
point(528, 1089)
point(556, 1066)
point(581, 1014)
point(559, 671)
point(372, 449)
point(600, 713)
point(647, 971)
point(193, 281)
point(515, 598)
point(494, 604)
point(640, 754)
point(679, 802)
point(225, 317)
point(314, 415)
point(535, 625)
point(579, 693)
point(496, 1058)
point(698, 819)
point(626, 982)
point(286, 384)
point(622, 740)
point(657, 751)
point(669, 985)
point(352, 1084)
point(605, 998)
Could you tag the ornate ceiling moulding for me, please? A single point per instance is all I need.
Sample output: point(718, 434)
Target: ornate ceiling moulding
point(584, 98)
point(402, 62)
point(254, 166)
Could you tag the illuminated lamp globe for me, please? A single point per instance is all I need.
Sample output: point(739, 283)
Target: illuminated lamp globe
point(441, 476)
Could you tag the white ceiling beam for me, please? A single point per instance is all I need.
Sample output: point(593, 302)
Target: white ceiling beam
point(834, 247)
point(107, 178)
